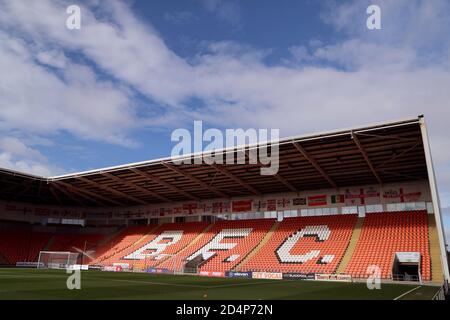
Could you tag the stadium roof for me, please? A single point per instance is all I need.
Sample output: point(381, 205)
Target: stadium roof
point(374, 154)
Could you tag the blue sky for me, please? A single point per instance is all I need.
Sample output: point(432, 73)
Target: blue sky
point(112, 92)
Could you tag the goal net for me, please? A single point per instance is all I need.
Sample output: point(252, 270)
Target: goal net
point(56, 259)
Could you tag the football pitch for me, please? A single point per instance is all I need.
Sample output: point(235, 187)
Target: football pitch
point(32, 284)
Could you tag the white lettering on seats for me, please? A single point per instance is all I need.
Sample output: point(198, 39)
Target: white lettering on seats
point(321, 233)
point(215, 244)
point(156, 245)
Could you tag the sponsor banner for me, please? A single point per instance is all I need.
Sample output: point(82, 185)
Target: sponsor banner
point(260, 205)
point(157, 270)
point(333, 277)
point(162, 270)
point(299, 202)
point(267, 275)
point(241, 205)
point(78, 267)
point(319, 200)
point(271, 205)
point(206, 208)
point(299, 276)
point(112, 268)
point(212, 273)
point(408, 257)
point(190, 208)
point(27, 264)
point(122, 265)
point(237, 274)
point(283, 203)
point(221, 207)
point(95, 267)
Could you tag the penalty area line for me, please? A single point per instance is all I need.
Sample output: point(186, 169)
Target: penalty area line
point(407, 292)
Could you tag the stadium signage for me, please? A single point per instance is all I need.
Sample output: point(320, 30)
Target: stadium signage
point(241, 205)
point(112, 268)
point(157, 270)
point(408, 257)
point(236, 274)
point(95, 267)
point(122, 265)
point(212, 274)
point(334, 277)
point(299, 276)
point(25, 264)
point(267, 275)
point(78, 267)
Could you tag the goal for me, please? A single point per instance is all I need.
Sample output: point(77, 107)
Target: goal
point(57, 259)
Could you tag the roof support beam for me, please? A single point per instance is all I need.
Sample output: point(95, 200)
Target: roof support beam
point(22, 192)
point(196, 180)
point(55, 195)
point(164, 183)
point(112, 190)
point(277, 176)
point(86, 193)
point(69, 195)
point(10, 188)
point(314, 164)
point(285, 182)
point(366, 157)
point(402, 175)
point(239, 181)
point(397, 156)
point(134, 186)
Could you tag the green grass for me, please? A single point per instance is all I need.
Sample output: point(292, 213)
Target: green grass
point(51, 284)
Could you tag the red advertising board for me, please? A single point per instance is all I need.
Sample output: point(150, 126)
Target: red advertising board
point(241, 205)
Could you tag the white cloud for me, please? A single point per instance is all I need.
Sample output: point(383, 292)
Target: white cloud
point(36, 100)
point(52, 58)
point(447, 234)
point(227, 11)
point(15, 155)
point(446, 216)
point(180, 17)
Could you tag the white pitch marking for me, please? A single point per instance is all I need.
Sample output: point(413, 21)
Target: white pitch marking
point(407, 292)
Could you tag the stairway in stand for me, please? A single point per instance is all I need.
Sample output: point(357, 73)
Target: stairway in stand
point(107, 239)
point(435, 251)
point(258, 247)
point(193, 242)
point(351, 246)
point(49, 243)
point(133, 245)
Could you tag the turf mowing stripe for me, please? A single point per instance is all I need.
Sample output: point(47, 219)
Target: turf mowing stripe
point(160, 283)
point(407, 292)
point(198, 286)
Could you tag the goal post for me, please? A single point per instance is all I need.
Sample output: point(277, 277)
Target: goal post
point(57, 259)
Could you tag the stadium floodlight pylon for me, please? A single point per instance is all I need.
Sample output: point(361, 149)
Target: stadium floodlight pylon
point(57, 260)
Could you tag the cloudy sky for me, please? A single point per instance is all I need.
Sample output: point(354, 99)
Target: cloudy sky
point(113, 91)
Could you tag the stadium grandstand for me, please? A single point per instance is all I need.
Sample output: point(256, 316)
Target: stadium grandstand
point(341, 204)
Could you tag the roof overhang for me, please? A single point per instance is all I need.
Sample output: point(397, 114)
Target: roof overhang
point(379, 153)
